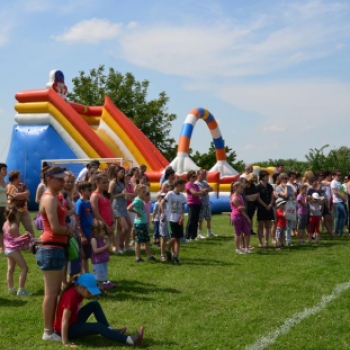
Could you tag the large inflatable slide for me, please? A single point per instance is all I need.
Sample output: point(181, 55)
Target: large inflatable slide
point(50, 127)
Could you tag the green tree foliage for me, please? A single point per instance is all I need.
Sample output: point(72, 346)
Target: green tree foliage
point(335, 159)
point(289, 164)
point(208, 160)
point(130, 96)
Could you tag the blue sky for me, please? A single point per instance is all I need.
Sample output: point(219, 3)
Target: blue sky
point(275, 74)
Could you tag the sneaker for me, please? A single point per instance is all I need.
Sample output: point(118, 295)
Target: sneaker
point(130, 249)
point(200, 236)
point(238, 251)
point(152, 258)
point(109, 285)
point(176, 260)
point(139, 260)
point(54, 337)
point(211, 234)
point(248, 251)
point(12, 291)
point(23, 293)
point(117, 252)
point(168, 254)
point(184, 240)
point(163, 258)
point(137, 338)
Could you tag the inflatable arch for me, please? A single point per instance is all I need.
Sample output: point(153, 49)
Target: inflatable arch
point(183, 163)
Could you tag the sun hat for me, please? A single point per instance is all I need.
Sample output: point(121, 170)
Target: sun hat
point(280, 201)
point(88, 281)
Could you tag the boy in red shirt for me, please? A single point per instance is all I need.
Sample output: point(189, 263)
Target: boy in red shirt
point(281, 223)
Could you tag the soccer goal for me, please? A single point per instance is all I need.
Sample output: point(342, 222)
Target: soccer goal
point(76, 165)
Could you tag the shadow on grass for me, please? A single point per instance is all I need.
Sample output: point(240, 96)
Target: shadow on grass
point(207, 262)
point(129, 289)
point(12, 302)
point(100, 342)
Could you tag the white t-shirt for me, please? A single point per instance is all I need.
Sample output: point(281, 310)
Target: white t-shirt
point(82, 174)
point(337, 185)
point(175, 202)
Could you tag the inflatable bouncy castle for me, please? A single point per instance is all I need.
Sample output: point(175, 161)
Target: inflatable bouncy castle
point(50, 127)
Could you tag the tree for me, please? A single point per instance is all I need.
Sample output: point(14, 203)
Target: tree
point(336, 159)
point(130, 96)
point(208, 160)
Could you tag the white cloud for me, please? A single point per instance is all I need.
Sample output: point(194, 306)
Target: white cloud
point(293, 103)
point(90, 31)
point(282, 37)
point(274, 128)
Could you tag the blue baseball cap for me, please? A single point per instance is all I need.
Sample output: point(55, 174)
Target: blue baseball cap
point(88, 281)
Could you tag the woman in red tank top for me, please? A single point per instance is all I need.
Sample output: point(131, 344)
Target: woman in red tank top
point(50, 256)
point(102, 207)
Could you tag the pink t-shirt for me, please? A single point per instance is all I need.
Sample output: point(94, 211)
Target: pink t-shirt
point(234, 208)
point(191, 199)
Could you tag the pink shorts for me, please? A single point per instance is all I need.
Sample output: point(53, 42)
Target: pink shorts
point(240, 224)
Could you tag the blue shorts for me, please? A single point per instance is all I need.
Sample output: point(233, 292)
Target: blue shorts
point(100, 271)
point(51, 259)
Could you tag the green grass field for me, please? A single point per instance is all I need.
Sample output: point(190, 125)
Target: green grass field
point(215, 300)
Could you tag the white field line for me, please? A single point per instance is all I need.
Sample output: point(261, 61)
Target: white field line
point(264, 342)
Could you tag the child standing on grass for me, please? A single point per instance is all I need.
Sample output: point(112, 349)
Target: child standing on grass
point(140, 223)
point(239, 218)
point(148, 206)
point(71, 317)
point(84, 219)
point(281, 223)
point(302, 210)
point(13, 242)
point(99, 253)
point(315, 215)
point(176, 204)
point(155, 220)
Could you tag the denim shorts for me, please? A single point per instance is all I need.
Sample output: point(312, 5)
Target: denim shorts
point(100, 271)
point(51, 259)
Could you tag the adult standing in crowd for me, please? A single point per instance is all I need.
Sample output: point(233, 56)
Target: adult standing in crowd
point(339, 198)
point(94, 164)
point(251, 196)
point(265, 208)
point(3, 202)
point(286, 192)
point(194, 195)
point(248, 169)
point(118, 194)
point(102, 207)
point(205, 212)
point(143, 177)
point(279, 171)
point(51, 256)
point(18, 195)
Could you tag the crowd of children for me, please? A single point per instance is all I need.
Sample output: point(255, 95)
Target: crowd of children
point(290, 207)
point(284, 209)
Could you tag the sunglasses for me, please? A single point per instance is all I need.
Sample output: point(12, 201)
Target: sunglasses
point(194, 176)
